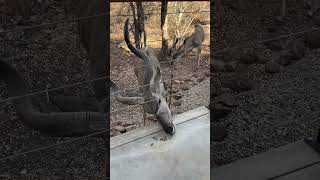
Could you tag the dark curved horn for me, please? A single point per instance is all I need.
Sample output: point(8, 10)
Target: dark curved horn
point(145, 39)
point(58, 124)
point(134, 50)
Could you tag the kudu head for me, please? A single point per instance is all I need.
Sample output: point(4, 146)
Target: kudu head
point(173, 48)
point(189, 42)
point(153, 93)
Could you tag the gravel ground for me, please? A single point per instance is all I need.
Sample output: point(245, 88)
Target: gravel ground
point(47, 56)
point(282, 107)
point(278, 111)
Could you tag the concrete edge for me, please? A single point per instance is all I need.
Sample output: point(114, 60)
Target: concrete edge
point(268, 164)
point(155, 127)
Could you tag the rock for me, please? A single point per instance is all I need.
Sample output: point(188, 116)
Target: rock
point(297, 51)
point(248, 58)
point(201, 78)
point(174, 90)
point(226, 91)
point(271, 29)
point(176, 103)
point(120, 128)
point(114, 133)
point(239, 84)
point(218, 65)
point(131, 127)
point(316, 20)
point(242, 68)
point(245, 84)
point(177, 81)
point(309, 14)
point(177, 112)
point(207, 74)
point(273, 45)
point(283, 60)
point(184, 88)
point(285, 29)
point(226, 100)
point(194, 81)
point(231, 66)
point(279, 19)
point(232, 7)
point(219, 111)
point(214, 90)
point(165, 138)
point(272, 67)
point(219, 133)
point(262, 59)
point(188, 80)
point(177, 96)
point(24, 172)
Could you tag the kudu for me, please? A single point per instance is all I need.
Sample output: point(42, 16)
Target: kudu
point(152, 93)
point(195, 40)
point(93, 35)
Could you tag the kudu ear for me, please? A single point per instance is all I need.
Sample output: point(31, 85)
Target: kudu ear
point(124, 99)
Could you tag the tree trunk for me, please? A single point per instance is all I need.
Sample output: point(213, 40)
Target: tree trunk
point(140, 13)
point(136, 26)
point(164, 30)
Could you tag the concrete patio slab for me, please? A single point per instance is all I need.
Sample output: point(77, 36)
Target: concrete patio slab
point(150, 154)
point(287, 162)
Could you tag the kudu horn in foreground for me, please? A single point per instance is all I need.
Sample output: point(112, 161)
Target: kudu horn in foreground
point(195, 40)
point(93, 36)
point(152, 93)
point(64, 124)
